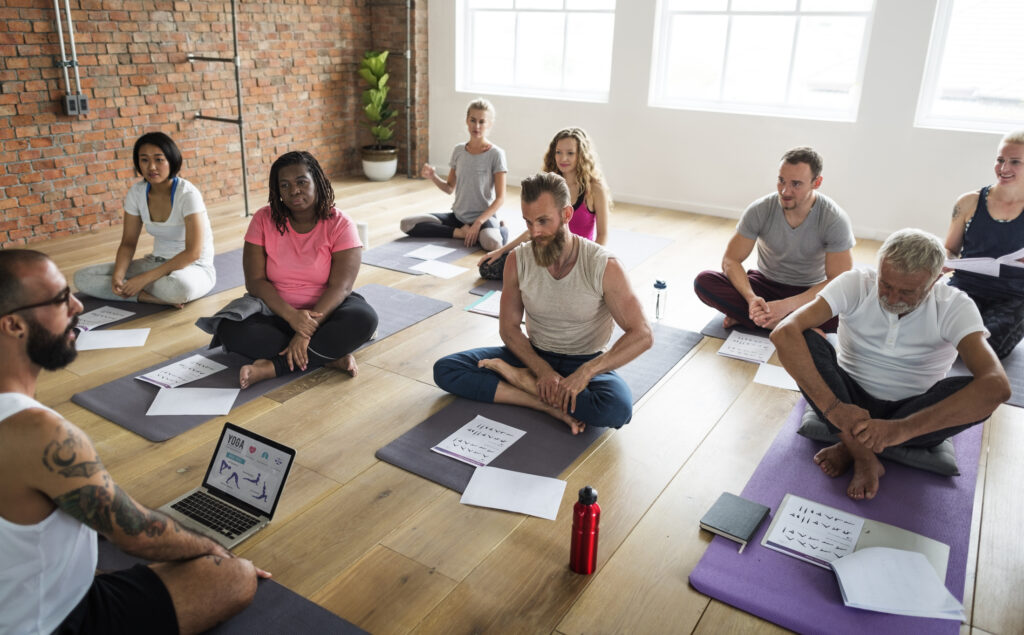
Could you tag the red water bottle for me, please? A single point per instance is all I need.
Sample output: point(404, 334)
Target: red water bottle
point(586, 514)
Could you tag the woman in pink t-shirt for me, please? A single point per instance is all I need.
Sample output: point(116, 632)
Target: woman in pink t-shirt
point(301, 258)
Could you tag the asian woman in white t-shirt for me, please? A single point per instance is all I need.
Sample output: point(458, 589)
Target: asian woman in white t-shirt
point(180, 269)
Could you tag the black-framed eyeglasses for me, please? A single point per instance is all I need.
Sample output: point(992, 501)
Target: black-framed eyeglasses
point(61, 298)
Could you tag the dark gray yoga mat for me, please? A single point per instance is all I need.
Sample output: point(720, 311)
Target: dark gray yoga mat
point(229, 276)
point(547, 448)
point(125, 400)
point(392, 255)
point(274, 609)
point(631, 248)
point(714, 328)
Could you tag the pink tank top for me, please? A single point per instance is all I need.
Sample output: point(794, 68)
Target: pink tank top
point(583, 221)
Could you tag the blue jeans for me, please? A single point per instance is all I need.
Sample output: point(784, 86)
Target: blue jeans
point(606, 402)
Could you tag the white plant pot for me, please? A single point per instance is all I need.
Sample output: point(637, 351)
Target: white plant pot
point(379, 165)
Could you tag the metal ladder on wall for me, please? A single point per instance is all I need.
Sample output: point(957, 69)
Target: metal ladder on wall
point(239, 121)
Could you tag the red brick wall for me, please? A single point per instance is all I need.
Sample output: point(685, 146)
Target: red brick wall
point(62, 174)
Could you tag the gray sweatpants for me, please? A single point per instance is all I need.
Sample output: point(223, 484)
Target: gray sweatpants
point(177, 287)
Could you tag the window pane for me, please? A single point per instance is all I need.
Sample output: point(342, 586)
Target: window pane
point(827, 61)
point(979, 75)
point(698, 5)
point(590, 5)
point(826, 6)
point(693, 69)
point(493, 47)
point(539, 43)
point(588, 56)
point(555, 5)
point(763, 5)
point(489, 4)
point(759, 53)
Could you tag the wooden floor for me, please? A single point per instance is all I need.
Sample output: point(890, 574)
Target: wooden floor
point(394, 553)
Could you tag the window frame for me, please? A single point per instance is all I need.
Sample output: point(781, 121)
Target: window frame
point(464, 17)
point(661, 42)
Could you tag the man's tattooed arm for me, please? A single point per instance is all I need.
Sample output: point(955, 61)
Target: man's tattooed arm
point(62, 456)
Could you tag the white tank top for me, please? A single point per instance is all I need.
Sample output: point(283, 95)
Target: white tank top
point(45, 568)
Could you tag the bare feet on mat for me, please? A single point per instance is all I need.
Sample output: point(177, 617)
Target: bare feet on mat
point(834, 460)
point(521, 378)
point(866, 474)
point(575, 425)
point(256, 372)
point(729, 322)
point(152, 299)
point(346, 364)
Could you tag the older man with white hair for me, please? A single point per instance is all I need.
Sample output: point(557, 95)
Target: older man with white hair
point(899, 333)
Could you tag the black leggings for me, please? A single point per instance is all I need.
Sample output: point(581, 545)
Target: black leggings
point(264, 336)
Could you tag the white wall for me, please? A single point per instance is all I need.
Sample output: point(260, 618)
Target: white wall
point(886, 173)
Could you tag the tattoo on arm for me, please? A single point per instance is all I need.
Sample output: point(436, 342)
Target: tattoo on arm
point(94, 506)
point(61, 457)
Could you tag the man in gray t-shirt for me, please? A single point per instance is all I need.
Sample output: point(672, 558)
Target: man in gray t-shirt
point(803, 241)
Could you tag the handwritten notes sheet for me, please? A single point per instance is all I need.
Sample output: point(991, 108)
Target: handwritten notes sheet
point(813, 532)
point(750, 348)
point(479, 442)
point(987, 266)
point(183, 372)
point(103, 315)
point(490, 304)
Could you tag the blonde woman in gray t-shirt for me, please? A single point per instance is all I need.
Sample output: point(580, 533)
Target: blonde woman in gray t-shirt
point(476, 175)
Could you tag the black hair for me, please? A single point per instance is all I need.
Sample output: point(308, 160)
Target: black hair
point(166, 145)
point(12, 291)
point(324, 192)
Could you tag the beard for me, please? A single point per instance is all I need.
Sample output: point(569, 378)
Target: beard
point(900, 308)
point(546, 253)
point(47, 350)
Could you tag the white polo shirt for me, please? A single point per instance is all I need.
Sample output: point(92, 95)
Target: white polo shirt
point(892, 357)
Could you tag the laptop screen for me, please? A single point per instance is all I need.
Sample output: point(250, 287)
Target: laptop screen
point(249, 468)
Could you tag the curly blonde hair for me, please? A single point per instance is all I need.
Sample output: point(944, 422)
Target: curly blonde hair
point(588, 173)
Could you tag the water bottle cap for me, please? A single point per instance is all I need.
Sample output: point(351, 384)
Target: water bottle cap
point(660, 284)
point(588, 495)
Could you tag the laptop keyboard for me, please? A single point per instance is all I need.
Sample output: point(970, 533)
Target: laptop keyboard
point(214, 514)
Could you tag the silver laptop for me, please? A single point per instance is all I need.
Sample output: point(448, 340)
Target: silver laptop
point(240, 491)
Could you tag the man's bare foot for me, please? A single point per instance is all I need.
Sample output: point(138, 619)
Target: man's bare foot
point(866, 473)
point(145, 296)
point(729, 322)
point(521, 378)
point(256, 372)
point(834, 460)
point(575, 425)
point(346, 364)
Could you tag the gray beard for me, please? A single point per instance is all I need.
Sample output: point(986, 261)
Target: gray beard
point(547, 254)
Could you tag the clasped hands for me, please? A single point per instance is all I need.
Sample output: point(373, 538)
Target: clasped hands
point(304, 323)
point(560, 392)
point(874, 434)
point(765, 314)
point(132, 286)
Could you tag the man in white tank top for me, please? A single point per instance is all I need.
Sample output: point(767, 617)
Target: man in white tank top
point(55, 495)
point(572, 292)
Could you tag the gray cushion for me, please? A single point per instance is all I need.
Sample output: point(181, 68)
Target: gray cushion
point(940, 459)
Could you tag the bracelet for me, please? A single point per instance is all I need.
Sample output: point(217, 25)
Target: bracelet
point(831, 407)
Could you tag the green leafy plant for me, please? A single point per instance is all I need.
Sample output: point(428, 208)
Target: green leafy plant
point(380, 117)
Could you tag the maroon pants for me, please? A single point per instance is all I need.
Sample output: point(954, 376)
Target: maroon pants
point(715, 290)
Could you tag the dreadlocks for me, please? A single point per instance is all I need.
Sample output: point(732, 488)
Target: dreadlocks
point(324, 192)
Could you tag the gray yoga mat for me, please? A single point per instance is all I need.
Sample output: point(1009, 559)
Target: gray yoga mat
point(125, 400)
point(631, 248)
point(547, 448)
point(1013, 364)
point(229, 276)
point(274, 609)
point(392, 255)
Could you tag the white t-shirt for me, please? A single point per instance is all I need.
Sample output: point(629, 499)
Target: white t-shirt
point(891, 357)
point(45, 568)
point(169, 236)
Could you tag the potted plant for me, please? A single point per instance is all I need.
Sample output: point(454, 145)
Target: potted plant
point(380, 160)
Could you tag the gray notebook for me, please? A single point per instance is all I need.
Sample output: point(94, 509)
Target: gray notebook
point(734, 518)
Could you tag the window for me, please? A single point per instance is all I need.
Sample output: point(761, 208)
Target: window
point(539, 48)
point(802, 58)
point(974, 77)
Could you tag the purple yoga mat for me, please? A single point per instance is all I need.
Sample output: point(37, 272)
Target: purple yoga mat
point(806, 598)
